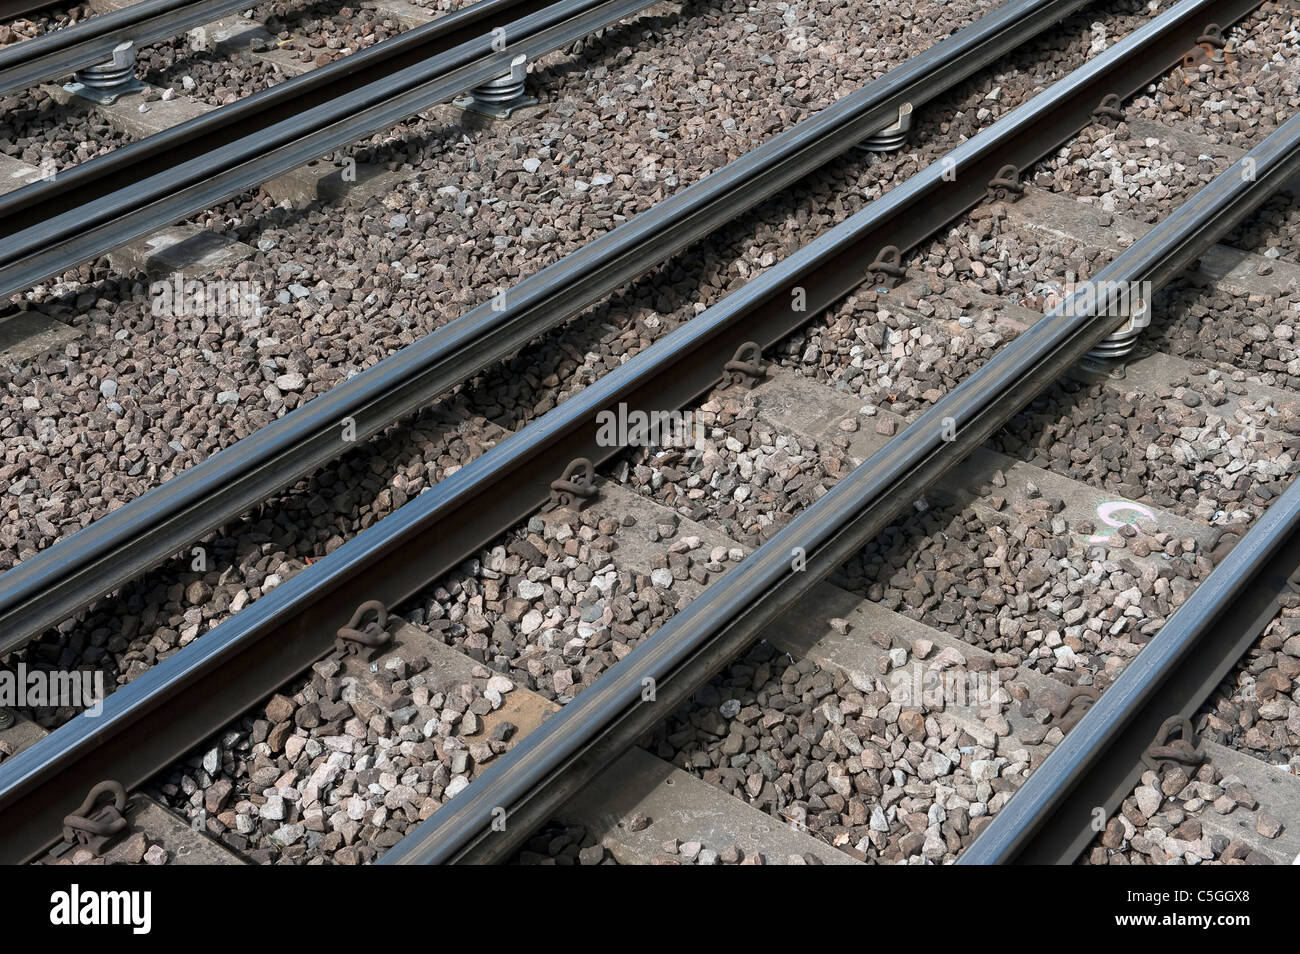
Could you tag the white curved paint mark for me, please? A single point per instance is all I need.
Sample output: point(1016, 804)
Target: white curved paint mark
point(1107, 511)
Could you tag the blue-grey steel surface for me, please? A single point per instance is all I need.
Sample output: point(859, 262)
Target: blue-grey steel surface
point(58, 581)
point(1161, 253)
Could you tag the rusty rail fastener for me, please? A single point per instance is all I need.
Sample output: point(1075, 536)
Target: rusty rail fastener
point(1208, 51)
point(747, 367)
point(887, 270)
point(1109, 108)
point(1164, 754)
point(1005, 186)
point(96, 827)
point(1067, 711)
point(356, 639)
point(576, 487)
point(1219, 547)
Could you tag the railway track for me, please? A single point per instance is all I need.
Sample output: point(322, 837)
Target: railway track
point(120, 547)
point(439, 687)
point(52, 225)
point(92, 42)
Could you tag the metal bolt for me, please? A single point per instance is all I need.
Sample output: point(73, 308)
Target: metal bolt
point(1120, 342)
point(115, 72)
point(892, 137)
point(105, 82)
point(504, 89)
point(500, 97)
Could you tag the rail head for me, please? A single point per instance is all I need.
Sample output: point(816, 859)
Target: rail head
point(68, 576)
point(193, 692)
point(547, 767)
point(1050, 819)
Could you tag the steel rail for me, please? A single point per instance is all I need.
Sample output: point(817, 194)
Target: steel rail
point(48, 241)
point(92, 41)
point(117, 172)
point(167, 710)
point(554, 761)
point(64, 578)
point(1049, 819)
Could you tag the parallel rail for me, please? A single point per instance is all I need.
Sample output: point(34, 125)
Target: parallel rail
point(64, 578)
point(163, 713)
point(50, 226)
point(93, 41)
point(1049, 819)
point(568, 750)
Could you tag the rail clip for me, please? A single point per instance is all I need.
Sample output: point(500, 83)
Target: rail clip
point(576, 487)
point(887, 270)
point(96, 826)
point(1164, 754)
point(356, 639)
point(1005, 186)
point(1067, 711)
point(1109, 108)
point(1210, 50)
point(746, 369)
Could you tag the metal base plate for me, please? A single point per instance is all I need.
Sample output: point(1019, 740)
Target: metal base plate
point(1115, 370)
point(104, 97)
point(495, 110)
point(881, 147)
